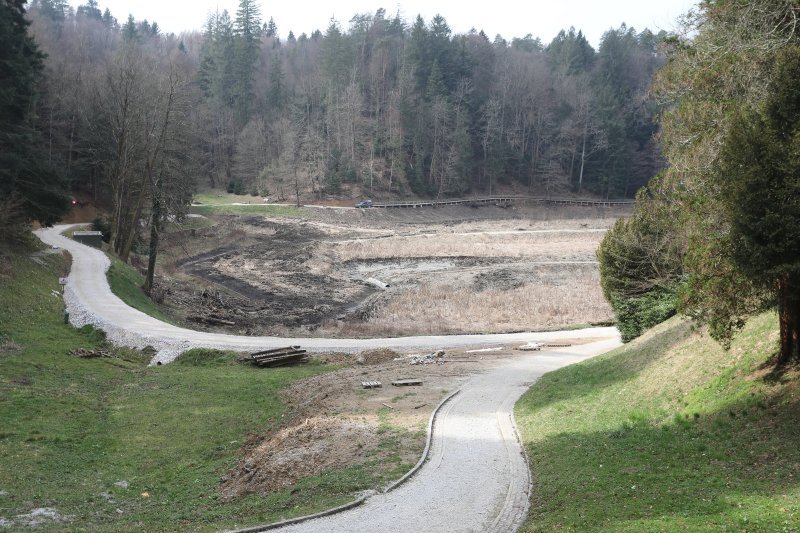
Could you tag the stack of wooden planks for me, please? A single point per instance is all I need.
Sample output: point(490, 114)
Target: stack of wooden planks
point(290, 355)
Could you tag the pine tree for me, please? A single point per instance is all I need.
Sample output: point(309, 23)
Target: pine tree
point(108, 19)
point(130, 33)
point(277, 81)
point(760, 175)
point(28, 189)
point(270, 28)
point(90, 10)
point(246, 31)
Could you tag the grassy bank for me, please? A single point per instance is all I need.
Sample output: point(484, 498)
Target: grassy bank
point(126, 282)
point(668, 433)
point(255, 209)
point(73, 430)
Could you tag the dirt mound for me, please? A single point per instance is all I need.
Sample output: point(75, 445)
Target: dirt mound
point(300, 451)
point(376, 357)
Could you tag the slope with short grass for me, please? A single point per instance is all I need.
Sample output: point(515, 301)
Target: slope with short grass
point(667, 433)
point(126, 282)
point(114, 445)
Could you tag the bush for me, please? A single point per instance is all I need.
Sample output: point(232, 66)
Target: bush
point(102, 224)
point(333, 183)
point(637, 315)
point(235, 187)
point(641, 266)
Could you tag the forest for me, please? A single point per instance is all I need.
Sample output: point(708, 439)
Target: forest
point(396, 107)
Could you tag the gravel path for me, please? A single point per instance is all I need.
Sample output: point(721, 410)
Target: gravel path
point(89, 300)
point(476, 477)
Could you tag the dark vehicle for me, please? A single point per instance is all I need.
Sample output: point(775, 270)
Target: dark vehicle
point(364, 203)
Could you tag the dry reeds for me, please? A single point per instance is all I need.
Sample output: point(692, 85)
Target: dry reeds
point(432, 309)
point(542, 246)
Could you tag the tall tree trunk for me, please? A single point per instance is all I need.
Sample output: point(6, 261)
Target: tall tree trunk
point(155, 227)
point(583, 157)
point(789, 316)
point(128, 234)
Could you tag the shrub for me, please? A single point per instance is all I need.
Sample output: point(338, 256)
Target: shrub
point(102, 224)
point(641, 265)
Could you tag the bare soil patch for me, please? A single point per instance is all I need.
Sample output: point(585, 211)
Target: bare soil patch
point(334, 422)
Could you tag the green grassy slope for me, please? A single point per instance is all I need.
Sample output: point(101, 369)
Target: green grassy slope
point(70, 428)
point(126, 282)
point(667, 433)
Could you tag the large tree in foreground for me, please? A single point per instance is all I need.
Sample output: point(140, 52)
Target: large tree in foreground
point(730, 177)
point(759, 175)
point(29, 190)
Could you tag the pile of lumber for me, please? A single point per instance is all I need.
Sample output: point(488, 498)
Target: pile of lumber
point(291, 355)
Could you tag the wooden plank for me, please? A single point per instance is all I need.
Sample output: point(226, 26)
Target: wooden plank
point(281, 360)
point(281, 354)
point(407, 382)
point(274, 350)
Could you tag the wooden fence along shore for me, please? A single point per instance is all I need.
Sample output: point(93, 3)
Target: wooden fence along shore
point(505, 201)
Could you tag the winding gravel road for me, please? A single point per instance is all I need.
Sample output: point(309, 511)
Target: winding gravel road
point(475, 477)
point(89, 300)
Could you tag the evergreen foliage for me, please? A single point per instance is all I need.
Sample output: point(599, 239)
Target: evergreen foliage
point(759, 178)
point(641, 264)
point(29, 188)
point(727, 134)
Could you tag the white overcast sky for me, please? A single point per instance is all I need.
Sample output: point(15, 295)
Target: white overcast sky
point(509, 18)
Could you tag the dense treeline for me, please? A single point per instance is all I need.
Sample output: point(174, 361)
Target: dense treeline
point(29, 189)
point(386, 105)
point(716, 237)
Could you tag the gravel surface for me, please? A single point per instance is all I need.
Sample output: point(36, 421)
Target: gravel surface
point(89, 300)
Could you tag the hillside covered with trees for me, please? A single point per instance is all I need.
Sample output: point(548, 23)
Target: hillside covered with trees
point(397, 107)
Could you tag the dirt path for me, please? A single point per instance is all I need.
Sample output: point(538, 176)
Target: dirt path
point(476, 478)
point(89, 300)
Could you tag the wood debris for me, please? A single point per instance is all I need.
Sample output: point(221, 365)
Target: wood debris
point(407, 382)
point(290, 355)
point(211, 320)
point(371, 384)
point(83, 353)
point(530, 347)
point(434, 358)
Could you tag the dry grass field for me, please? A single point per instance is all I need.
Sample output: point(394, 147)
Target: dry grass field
point(543, 245)
point(446, 309)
